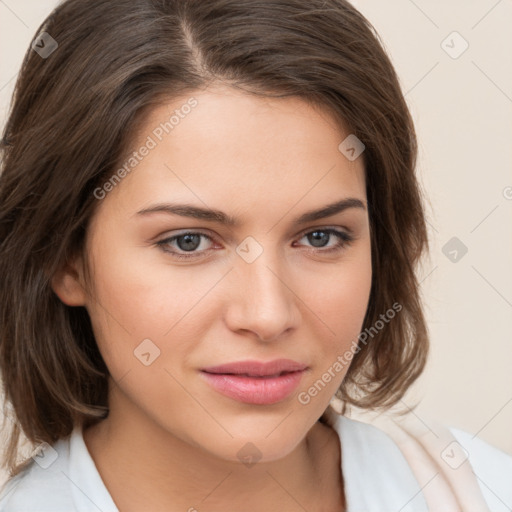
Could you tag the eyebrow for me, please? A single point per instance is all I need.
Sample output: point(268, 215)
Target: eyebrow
point(208, 214)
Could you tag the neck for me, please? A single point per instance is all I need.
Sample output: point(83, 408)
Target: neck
point(145, 467)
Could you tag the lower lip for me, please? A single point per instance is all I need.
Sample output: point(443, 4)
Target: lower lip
point(255, 390)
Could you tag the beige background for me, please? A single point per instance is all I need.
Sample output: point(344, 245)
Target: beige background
point(463, 112)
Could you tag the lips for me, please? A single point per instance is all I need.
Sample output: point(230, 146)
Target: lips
point(257, 368)
point(254, 382)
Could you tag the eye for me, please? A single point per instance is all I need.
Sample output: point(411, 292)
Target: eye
point(320, 236)
point(188, 245)
point(187, 242)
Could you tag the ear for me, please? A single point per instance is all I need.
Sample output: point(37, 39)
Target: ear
point(68, 284)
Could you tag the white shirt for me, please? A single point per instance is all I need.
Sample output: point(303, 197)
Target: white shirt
point(407, 472)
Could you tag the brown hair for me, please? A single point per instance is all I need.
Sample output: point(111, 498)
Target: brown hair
point(72, 117)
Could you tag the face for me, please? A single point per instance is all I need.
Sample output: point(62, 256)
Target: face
point(176, 294)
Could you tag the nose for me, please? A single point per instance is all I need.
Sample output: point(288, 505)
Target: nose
point(263, 301)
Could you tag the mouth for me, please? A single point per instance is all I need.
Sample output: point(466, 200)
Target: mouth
point(254, 376)
point(254, 382)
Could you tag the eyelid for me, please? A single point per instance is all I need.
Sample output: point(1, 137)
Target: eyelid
point(326, 228)
point(176, 233)
point(213, 236)
point(344, 236)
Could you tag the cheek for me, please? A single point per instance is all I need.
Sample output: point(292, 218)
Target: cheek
point(339, 301)
point(339, 297)
point(138, 298)
point(352, 302)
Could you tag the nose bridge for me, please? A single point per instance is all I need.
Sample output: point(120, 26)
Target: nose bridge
point(262, 301)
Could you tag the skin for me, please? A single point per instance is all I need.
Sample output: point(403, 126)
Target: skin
point(170, 441)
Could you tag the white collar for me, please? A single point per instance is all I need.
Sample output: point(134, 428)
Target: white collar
point(376, 475)
point(92, 493)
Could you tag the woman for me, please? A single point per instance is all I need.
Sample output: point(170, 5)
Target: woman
point(210, 224)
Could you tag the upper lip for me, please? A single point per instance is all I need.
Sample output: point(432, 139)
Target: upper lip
point(257, 368)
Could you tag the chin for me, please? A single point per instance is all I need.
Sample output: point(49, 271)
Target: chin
point(255, 444)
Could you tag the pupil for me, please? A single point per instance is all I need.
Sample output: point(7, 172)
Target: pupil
point(318, 236)
point(191, 242)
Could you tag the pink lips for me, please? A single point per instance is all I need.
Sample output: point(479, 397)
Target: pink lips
point(254, 382)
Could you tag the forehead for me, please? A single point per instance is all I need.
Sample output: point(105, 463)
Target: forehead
point(225, 148)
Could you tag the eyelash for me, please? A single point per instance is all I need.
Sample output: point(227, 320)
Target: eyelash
point(344, 240)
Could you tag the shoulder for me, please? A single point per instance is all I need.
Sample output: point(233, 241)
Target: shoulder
point(371, 460)
point(42, 486)
point(492, 469)
point(451, 466)
point(370, 441)
point(60, 478)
